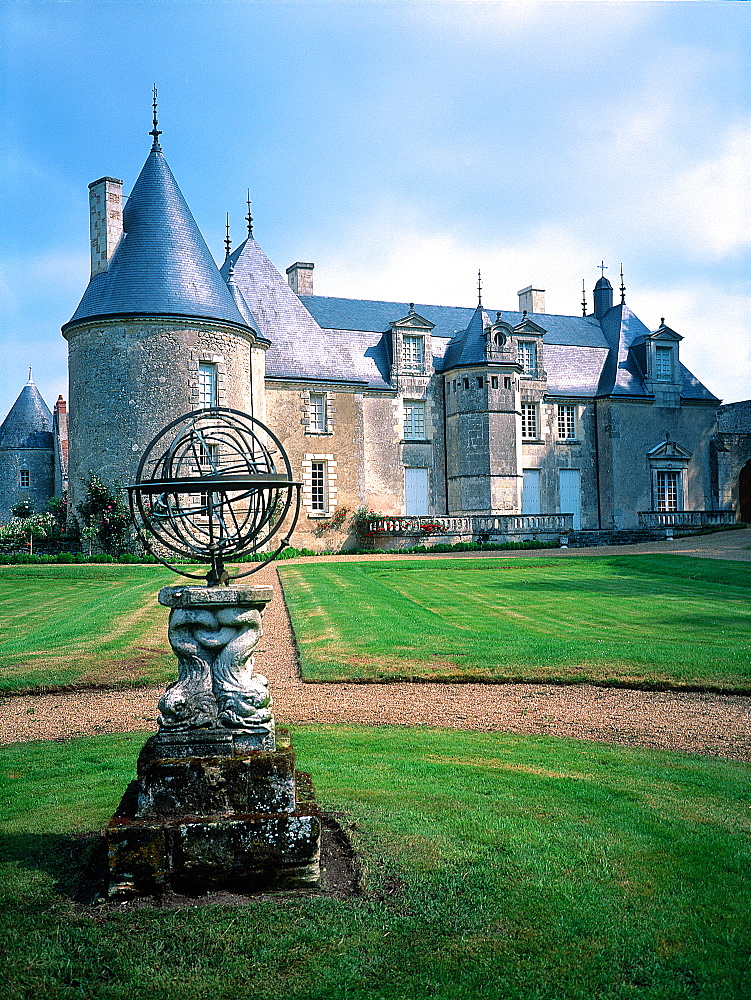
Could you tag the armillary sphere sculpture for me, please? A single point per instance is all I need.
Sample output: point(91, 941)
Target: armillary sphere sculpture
point(215, 803)
point(214, 484)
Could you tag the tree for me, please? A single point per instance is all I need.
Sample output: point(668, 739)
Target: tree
point(104, 516)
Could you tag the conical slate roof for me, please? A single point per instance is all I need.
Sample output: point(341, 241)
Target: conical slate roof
point(161, 266)
point(299, 347)
point(29, 423)
point(468, 347)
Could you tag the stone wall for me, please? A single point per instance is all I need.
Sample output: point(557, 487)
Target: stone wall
point(626, 432)
point(38, 462)
point(129, 378)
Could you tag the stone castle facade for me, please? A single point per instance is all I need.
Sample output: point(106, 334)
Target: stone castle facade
point(417, 411)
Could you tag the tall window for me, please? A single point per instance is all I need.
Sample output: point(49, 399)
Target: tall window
point(664, 364)
point(667, 490)
point(208, 455)
point(414, 420)
point(413, 353)
point(529, 420)
point(206, 385)
point(318, 417)
point(318, 487)
point(566, 422)
point(528, 356)
point(24, 479)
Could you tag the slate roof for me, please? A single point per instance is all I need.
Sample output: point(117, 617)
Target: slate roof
point(300, 349)
point(468, 348)
point(162, 265)
point(582, 355)
point(29, 423)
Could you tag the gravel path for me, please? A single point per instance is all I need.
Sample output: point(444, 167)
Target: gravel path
point(717, 725)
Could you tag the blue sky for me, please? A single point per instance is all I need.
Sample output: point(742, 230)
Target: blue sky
point(401, 146)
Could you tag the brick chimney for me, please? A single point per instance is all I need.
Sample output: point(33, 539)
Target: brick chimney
point(105, 220)
point(61, 406)
point(532, 299)
point(300, 278)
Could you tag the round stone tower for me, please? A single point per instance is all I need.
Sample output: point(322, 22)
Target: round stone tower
point(157, 332)
point(26, 453)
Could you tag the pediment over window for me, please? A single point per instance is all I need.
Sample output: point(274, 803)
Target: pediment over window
point(668, 449)
point(665, 333)
point(528, 328)
point(412, 321)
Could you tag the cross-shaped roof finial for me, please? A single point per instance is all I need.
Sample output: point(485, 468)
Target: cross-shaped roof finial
point(155, 131)
point(603, 267)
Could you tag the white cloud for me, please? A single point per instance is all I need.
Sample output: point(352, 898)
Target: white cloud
point(712, 201)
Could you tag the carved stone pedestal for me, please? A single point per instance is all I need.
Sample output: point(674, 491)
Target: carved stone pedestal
point(217, 803)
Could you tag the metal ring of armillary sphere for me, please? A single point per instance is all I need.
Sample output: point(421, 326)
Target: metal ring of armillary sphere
point(212, 485)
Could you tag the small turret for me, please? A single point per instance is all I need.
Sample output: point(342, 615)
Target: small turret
point(603, 297)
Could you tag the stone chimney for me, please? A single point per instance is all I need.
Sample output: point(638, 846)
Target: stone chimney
point(532, 299)
point(300, 278)
point(106, 220)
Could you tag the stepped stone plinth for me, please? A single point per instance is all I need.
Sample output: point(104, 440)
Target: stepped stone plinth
point(217, 803)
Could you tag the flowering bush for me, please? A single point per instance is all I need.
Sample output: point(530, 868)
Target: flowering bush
point(433, 528)
point(104, 516)
point(334, 522)
point(361, 521)
point(22, 532)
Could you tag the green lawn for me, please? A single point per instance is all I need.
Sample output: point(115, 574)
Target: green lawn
point(496, 866)
point(633, 620)
point(83, 625)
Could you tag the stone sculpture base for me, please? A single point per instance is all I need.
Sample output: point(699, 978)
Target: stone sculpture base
point(217, 803)
point(194, 824)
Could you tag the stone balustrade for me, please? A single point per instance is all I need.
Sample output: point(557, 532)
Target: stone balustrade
point(686, 518)
point(473, 525)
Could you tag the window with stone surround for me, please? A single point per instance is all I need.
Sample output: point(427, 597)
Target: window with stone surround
point(529, 420)
point(414, 420)
point(528, 357)
point(668, 490)
point(24, 479)
point(319, 484)
point(413, 353)
point(317, 422)
point(207, 385)
point(566, 422)
point(664, 364)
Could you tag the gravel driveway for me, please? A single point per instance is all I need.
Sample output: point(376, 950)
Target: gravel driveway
point(699, 723)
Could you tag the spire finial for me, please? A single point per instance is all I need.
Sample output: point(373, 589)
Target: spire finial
point(155, 131)
point(249, 217)
point(603, 267)
point(30, 378)
point(227, 241)
point(479, 288)
point(623, 288)
point(584, 299)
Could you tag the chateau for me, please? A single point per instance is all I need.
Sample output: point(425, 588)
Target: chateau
point(501, 422)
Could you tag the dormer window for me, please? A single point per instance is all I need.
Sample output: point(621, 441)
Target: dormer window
point(528, 357)
point(663, 364)
point(413, 353)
